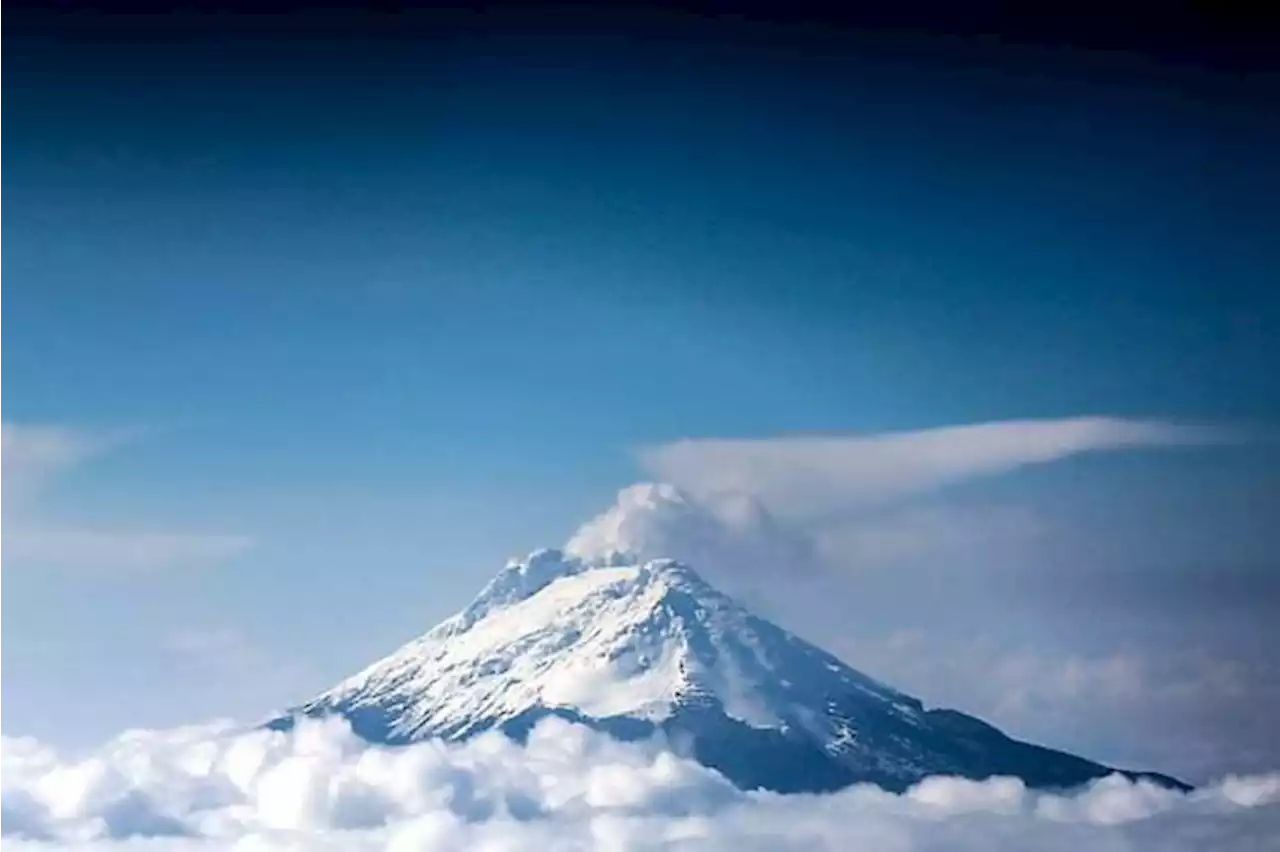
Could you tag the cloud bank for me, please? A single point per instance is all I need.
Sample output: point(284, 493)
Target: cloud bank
point(568, 788)
point(33, 458)
point(813, 476)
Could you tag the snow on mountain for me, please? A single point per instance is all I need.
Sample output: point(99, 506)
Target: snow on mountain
point(636, 646)
point(610, 639)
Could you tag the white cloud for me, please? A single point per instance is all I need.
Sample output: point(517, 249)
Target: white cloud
point(319, 787)
point(731, 539)
point(33, 459)
point(811, 477)
point(657, 520)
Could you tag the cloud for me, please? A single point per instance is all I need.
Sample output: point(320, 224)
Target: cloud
point(898, 534)
point(116, 549)
point(224, 657)
point(319, 787)
point(811, 477)
point(731, 539)
point(208, 643)
point(657, 520)
point(32, 455)
point(219, 665)
point(790, 570)
point(34, 458)
point(1187, 710)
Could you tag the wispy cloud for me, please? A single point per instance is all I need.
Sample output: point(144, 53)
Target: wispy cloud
point(32, 455)
point(219, 660)
point(898, 534)
point(1202, 712)
point(743, 510)
point(116, 549)
point(208, 643)
point(812, 476)
point(33, 459)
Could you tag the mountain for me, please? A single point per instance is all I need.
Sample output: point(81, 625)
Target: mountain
point(633, 647)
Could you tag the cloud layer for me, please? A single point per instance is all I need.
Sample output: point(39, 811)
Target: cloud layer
point(813, 476)
point(567, 789)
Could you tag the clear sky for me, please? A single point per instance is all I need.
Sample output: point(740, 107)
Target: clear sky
point(303, 338)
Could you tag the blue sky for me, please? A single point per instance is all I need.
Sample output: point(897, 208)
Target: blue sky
point(361, 327)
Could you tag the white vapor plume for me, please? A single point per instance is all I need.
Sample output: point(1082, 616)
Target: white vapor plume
point(567, 788)
point(813, 476)
point(657, 520)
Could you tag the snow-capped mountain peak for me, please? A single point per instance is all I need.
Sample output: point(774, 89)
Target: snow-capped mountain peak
point(609, 638)
point(635, 646)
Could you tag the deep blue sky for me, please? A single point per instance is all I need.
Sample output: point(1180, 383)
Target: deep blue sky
point(397, 307)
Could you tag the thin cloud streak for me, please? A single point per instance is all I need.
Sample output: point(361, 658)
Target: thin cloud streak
point(813, 476)
point(31, 455)
point(34, 458)
point(117, 549)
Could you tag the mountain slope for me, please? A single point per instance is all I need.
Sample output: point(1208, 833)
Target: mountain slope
point(633, 647)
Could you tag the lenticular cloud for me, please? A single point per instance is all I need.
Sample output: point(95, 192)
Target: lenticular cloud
point(567, 788)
